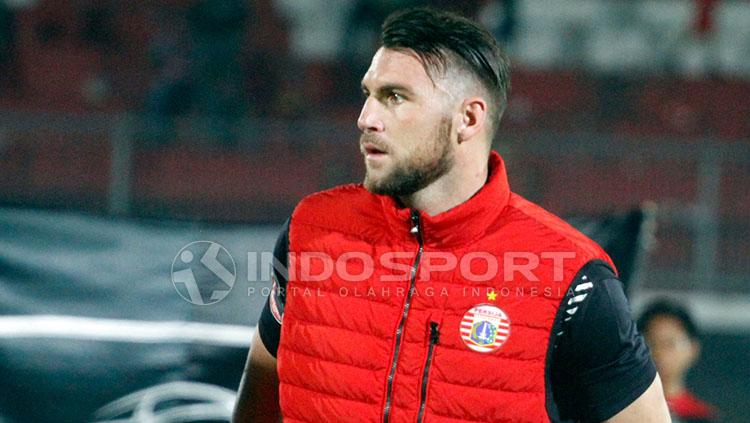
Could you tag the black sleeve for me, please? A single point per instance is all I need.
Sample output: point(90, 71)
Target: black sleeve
point(269, 324)
point(600, 362)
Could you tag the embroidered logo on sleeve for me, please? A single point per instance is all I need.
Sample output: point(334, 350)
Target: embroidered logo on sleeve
point(274, 301)
point(485, 328)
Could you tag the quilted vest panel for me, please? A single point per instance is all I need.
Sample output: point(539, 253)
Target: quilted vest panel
point(394, 315)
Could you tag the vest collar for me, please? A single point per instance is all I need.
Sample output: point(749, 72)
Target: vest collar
point(463, 223)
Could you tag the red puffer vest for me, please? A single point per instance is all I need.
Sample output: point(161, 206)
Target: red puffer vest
point(394, 315)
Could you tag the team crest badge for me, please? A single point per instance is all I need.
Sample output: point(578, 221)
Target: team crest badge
point(485, 328)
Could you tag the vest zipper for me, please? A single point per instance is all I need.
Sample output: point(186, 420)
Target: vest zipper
point(434, 339)
point(417, 232)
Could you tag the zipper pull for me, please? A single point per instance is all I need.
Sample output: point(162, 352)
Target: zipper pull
point(414, 222)
point(434, 333)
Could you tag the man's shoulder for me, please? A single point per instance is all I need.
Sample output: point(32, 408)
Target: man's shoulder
point(339, 195)
point(336, 205)
point(539, 222)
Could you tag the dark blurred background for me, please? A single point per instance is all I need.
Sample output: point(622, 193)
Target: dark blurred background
point(225, 113)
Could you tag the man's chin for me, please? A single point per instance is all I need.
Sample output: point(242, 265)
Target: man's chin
point(374, 183)
point(371, 185)
point(377, 161)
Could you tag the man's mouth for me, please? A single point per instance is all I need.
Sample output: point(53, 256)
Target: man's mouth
point(372, 150)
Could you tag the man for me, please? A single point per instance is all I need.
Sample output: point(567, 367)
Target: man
point(673, 337)
point(431, 292)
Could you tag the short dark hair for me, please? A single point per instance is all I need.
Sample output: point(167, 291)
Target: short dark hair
point(436, 36)
point(668, 308)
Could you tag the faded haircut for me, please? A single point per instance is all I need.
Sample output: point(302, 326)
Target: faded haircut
point(443, 40)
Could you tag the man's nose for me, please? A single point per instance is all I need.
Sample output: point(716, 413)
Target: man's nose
point(369, 120)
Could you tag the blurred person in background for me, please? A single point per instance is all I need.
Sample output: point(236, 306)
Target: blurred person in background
point(218, 32)
point(171, 91)
point(673, 338)
point(501, 18)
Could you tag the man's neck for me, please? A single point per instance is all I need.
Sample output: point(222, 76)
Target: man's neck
point(673, 386)
point(451, 189)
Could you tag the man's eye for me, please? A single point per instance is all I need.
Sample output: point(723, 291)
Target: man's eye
point(395, 98)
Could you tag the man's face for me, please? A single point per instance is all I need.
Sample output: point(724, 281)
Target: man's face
point(671, 347)
point(406, 125)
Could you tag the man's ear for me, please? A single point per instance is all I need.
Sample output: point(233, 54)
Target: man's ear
point(474, 118)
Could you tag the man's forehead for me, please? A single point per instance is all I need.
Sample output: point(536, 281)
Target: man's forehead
point(402, 67)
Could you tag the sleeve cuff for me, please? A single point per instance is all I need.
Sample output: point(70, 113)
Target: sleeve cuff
point(608, 407)
point(269, 330)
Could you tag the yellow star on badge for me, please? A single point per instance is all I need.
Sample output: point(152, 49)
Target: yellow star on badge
point(491, 295)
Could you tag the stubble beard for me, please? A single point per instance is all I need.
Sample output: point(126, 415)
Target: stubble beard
point(420, 169)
